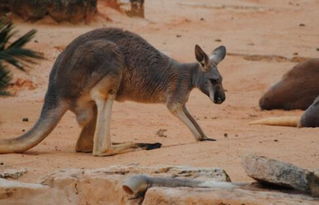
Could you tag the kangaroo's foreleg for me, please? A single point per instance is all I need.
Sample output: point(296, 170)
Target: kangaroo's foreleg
point(181, 112)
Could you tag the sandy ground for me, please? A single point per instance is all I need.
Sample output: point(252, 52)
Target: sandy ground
point(264, 27)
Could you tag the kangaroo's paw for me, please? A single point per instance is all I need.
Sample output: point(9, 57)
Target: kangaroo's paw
point(120, 148)
point(207, 139)
point(104, 154)
point(149, 146)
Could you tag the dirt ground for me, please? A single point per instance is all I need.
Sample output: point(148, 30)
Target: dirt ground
point(287, 28)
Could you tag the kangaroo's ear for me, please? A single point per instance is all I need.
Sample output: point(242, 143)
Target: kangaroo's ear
point(201, 56)
point(218, 54)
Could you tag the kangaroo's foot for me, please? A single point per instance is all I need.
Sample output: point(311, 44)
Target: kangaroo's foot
point(119, 148)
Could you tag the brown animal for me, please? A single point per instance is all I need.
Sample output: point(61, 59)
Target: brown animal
point(298, 89)
point(111, 64)
point(310, 118)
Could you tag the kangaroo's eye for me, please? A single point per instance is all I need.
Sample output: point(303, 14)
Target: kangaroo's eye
point(213, 81)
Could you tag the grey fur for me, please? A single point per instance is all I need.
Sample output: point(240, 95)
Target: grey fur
point(112, 63)
point(310, 118)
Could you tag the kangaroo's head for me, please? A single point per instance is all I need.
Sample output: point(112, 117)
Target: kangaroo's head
point(210, 80)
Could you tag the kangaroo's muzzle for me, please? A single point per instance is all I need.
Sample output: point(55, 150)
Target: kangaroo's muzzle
point(217, 94)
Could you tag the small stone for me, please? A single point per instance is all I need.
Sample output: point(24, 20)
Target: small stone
point(1, 163)
point(36, 41)
point(275, 140)
point(23, 130)
point(317, 49)
point(13, 173)
point(218, 40)
point(225, 135)
point(178, 36)
point(295, 53)
point(161, 133)
point(202, 19)
point(302, 25)
point(25, 119)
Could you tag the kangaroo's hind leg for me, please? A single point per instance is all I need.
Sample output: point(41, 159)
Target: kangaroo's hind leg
point(104, 94)
point(85, 140)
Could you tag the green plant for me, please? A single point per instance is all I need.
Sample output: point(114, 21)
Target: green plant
point(13, 53)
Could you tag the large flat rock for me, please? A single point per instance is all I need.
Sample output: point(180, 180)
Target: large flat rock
point(237, 196)
point(272, 171)
point(104, 186)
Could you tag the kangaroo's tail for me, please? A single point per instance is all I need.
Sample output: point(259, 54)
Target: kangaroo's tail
point(51, 113)
point(290, 121)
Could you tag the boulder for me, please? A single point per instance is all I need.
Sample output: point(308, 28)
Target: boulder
point(104, 186)
point(29, 10)
point(221, 196)
point(73, 11)
point(279, 173)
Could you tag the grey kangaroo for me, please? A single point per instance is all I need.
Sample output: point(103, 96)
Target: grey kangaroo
point(110, 64)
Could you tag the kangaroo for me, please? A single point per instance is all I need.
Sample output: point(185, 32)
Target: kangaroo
point(110, 64)
point(296, 90)
point(310, 118)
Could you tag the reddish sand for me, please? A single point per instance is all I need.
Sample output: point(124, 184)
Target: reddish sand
point(245, 27)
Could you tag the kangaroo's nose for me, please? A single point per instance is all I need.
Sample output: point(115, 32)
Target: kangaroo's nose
point(219, 99)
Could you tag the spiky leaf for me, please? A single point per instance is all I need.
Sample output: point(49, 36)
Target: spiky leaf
point(4, 80)
point(14, 52)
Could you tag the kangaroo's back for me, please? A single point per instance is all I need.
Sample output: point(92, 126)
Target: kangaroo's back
point(296, 90)
point(143, 66)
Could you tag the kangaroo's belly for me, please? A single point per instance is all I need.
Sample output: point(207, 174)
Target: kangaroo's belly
point(141, 96)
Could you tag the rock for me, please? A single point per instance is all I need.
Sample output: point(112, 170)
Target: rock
point(4, 8)
point(137, 8)
point(202, 173)
point(12, 173)
point(221, 196)
point(104, 186)
point(139, 184)
point(73, 11)
point(161, 133)
point(280, 173)
point(80, 185)
point(29, 10)
point(13, 192)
